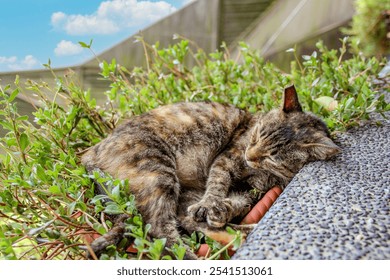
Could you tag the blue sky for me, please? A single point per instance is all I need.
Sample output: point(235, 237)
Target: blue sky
point(34, 31)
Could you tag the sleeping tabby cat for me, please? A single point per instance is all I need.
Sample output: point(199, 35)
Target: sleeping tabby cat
point(191, 166)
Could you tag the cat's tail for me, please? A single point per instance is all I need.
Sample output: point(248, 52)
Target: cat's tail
point(116, 233)
point(112, 237)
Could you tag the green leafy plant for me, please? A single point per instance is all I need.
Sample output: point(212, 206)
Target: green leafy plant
point(371, 26)
point(48, 209)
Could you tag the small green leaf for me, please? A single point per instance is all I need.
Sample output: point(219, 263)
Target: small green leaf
point(349, 102)
point(115, 193)
point(98, 198)
point(55, 189)
point(40, 172)
point(22, 118)
point(71, 207)
point(156, 248)
point(24, 141)
point(147, 228)
point(137, 220)
point(48, 64)
point(113, 209)
point(179, 251)
point(84, 45)
point(13, 95)
point(99, 228)
point(6, 125)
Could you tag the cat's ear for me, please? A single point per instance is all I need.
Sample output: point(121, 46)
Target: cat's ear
point(322, 149)
point(290, 100)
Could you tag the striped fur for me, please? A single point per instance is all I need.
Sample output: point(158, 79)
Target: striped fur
point(192, 165)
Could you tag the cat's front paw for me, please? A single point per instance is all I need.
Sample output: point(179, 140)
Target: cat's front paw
point(216, 212)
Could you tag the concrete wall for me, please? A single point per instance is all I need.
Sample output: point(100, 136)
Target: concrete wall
point(271, 26)
point(198, 21)
point(292, 21)
point(205, 22)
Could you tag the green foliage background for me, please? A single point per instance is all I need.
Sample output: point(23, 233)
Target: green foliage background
point(370, 27)
point(47, 201)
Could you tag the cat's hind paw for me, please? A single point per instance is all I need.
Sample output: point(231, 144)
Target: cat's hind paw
point(198, 211)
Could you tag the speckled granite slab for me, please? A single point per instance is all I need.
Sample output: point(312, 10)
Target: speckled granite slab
point(338, 209)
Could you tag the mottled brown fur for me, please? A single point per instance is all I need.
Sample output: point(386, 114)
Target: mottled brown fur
point(192, 165)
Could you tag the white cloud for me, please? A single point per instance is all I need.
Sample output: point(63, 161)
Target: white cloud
point(13, 63)
point(58, 18)
point(83, 24)
point(7, 60)
point(29, 61)
point(67, 48)
point(112, 16)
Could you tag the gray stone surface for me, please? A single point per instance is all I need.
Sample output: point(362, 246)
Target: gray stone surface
point(338, 209)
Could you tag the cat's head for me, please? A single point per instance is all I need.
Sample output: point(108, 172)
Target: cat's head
point(284, 139)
